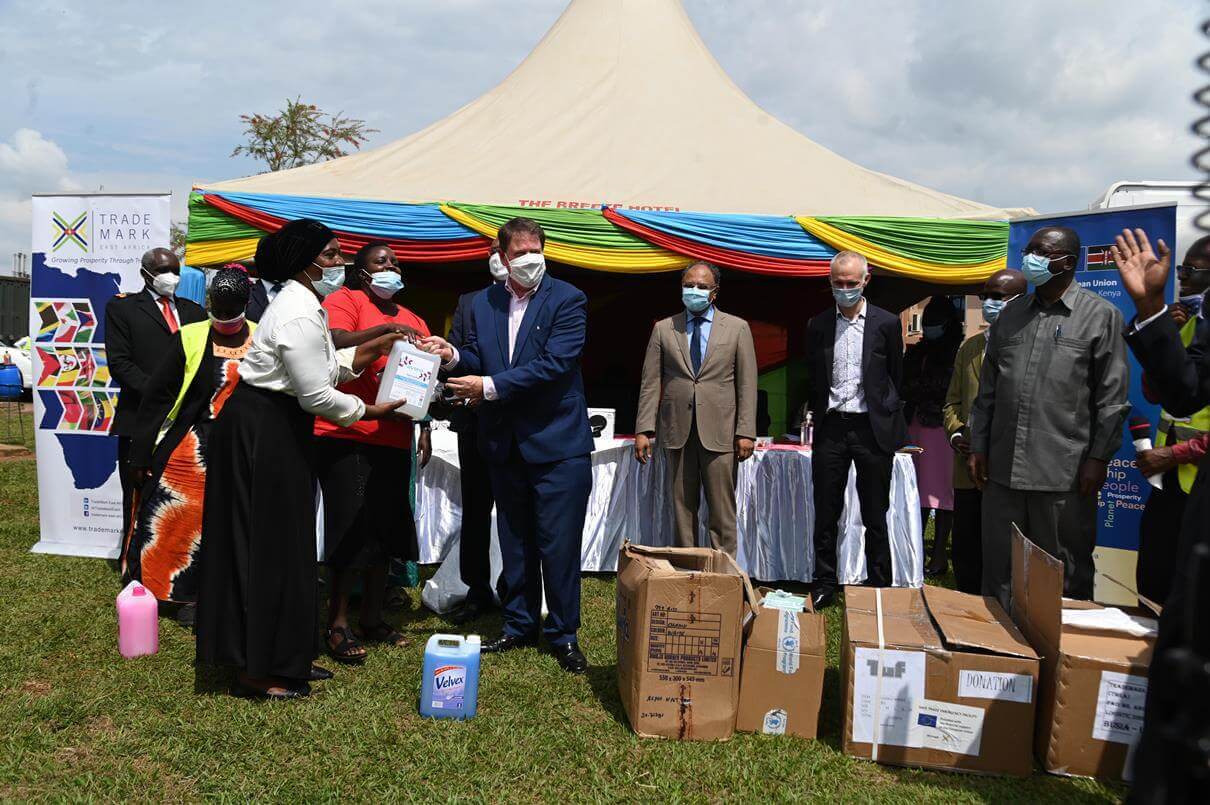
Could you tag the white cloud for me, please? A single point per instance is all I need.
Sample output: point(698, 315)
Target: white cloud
point(1030, 103)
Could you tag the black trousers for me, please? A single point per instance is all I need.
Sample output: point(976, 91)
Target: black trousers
point(842, 440)
point(125, 477)
point(474, 546)
point(967, 541)
point(1159, 528)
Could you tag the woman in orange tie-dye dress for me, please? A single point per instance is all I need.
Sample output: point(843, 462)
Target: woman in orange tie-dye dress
point(168, 454)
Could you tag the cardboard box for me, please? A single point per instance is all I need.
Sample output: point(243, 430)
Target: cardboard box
point(1094, 683)
point(936, 678)
point(680, 620)
point(781, 680)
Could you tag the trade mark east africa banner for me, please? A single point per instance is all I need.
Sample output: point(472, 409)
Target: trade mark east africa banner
point(86, 248)
point(1125, 493)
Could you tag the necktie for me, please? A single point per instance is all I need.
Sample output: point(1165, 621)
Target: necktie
point(695, 344)
point(169, 316)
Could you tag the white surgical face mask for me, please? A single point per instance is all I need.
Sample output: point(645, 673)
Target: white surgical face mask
point(496, 266)
point(333, 279)
point(527, 269)
point(164, 284)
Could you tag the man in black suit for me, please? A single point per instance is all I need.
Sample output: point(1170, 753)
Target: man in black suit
point(855, 352)
point(474, 546)
point(138, 332)
point(1172, 757)
point(261, 293)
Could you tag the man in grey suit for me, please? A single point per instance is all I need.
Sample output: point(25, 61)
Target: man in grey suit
point(698, 395)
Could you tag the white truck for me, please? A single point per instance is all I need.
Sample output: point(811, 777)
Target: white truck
point(1153, 191)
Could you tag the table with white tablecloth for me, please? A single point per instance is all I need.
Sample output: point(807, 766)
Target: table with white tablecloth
point(633, 501)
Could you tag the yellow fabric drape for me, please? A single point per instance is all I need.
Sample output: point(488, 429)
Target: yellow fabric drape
point(217, 252)
point(898, 264)
point(621, 261)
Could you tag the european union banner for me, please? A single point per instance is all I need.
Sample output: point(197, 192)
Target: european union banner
point(1121, 503)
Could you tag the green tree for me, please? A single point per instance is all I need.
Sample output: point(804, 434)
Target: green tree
point(178, 237)
point(300, 134)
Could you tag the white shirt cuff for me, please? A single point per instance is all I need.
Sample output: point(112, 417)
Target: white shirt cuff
point(344, 359)
point(956, 434)
point(489, 389)
point(1139, 325)
point(452, 361)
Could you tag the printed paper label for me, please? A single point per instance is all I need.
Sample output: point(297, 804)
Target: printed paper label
point(788, 642)
point(449, 687)
point(901, 686)
point(948, 727)
point(1120, 703)
point(993, 685)
point(775, 722)
point(412, 380)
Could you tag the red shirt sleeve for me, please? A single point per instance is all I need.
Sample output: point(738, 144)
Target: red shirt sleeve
point(343, 313)
point(1191, 451)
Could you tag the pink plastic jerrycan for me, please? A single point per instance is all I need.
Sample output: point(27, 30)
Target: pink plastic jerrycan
point(138, 621)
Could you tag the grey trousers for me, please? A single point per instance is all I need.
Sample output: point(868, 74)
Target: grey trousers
point(694, 468)
point(1064, 524)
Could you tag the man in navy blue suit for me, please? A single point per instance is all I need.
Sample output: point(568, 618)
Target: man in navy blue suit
point(523, 362)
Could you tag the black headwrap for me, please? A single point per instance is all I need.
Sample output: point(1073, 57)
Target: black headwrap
point(290, 249)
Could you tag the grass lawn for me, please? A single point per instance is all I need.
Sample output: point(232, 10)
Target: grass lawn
point(81, 722)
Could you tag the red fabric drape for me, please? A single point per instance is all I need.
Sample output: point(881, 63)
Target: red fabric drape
point(416, 251)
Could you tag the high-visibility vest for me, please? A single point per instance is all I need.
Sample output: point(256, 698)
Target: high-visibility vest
point(1175, 429)
point(193, 342)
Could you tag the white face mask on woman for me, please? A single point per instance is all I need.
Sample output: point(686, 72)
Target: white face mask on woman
point(333, 279)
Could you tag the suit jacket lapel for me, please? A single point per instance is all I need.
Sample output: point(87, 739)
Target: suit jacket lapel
point(720, 330)
point(867, 341)
point(680, 325)
point(152, 309)
point(498, 298)
point(536, 303)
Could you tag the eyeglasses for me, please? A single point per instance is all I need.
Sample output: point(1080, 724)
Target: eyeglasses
point(1052, 256)
point(1184, 271)
point(983, 297)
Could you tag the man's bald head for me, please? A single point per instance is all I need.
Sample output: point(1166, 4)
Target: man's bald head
point(1005, 284)
point(1057, 243)
point(158, 260)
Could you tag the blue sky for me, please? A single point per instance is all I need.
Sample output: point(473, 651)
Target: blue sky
point(1028, 103)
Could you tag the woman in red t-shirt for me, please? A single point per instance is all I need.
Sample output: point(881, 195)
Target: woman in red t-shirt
point(365, 469)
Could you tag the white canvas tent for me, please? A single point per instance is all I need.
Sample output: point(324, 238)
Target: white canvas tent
point(620, 103)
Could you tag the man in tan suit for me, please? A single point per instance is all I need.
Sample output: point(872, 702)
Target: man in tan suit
point(700, 374)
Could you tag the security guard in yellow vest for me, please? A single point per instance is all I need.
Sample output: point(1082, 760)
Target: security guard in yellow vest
point(1161, 520)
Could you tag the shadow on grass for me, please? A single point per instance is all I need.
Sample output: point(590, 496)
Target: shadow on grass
point(603, 679)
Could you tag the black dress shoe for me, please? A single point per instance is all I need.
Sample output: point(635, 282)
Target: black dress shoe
point(507, 642)
point(823, 598)
point(186, 615)
point(319, 673)
point(570, 658)
point(470, 610)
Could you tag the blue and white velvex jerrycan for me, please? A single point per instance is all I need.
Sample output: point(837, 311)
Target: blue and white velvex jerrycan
point(450, 684)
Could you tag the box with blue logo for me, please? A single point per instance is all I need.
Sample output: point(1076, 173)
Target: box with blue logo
point(936, 678)
point(781, 678)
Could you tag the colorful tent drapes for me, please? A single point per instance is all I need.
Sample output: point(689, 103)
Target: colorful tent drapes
point(416, 232)
point(225, 227)
point(579, 237)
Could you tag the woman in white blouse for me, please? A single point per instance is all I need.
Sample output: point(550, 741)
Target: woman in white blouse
point(257, 598)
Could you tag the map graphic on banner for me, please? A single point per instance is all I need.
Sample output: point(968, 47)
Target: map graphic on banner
point(86, 249)
point(1121, 503)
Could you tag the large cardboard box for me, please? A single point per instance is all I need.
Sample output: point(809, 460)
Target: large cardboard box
point(1094, 683)
point(781, 680)
point(937, 678)
point(680, 619)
